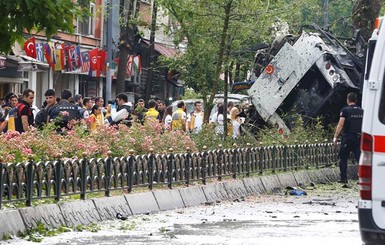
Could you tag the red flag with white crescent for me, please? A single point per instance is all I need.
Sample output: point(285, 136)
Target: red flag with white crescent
point(94, 59)
point(30, 47)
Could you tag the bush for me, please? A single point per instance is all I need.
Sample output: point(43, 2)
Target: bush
point(313, 133)
point(47, 144)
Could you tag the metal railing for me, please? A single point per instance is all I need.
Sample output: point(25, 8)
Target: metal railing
point(28, 181)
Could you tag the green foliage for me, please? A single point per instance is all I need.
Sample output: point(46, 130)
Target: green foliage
point(93, 227)
point(190, 94)
point(203, 26)
point(128, 226)
point(48, 16)
point(6, 236)
point(74, 143)
point(314, 133)
point(41, 231)
point(207, 137)
point(38, 233)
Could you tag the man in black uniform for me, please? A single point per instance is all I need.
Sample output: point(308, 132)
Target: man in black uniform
point(64, 111)
point(350, 125)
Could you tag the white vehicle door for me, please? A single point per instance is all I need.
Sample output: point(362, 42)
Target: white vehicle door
point(374, 125)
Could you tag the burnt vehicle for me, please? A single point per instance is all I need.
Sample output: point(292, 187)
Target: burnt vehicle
point(308, 75)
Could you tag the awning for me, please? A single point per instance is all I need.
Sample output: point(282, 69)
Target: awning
point(30, 64)
point(9, 70)
point(168, 52)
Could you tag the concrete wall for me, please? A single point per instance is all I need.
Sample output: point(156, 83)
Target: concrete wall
point(95, 210)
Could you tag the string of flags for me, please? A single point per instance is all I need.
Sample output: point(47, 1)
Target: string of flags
point(69, 58)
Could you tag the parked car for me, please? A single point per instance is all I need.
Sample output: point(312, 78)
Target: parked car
point(189, 105)
point(237, 99)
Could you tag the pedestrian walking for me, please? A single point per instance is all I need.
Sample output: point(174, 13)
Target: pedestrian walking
point(350, 126)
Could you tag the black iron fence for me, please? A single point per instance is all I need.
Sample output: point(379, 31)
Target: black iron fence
point(28, 181)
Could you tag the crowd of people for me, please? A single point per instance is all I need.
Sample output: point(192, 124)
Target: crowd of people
point(17, 113)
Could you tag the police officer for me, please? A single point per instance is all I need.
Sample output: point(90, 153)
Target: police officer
point(64, 111)
point(350, 125)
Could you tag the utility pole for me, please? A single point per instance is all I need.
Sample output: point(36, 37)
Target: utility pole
point(150, 76)
point(326, 14)
point(109, 51)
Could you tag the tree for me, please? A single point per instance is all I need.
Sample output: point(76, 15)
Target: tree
point(217, 32)
point(364, 14)
point(129, 38)
point(48, 16)
point(151, 68)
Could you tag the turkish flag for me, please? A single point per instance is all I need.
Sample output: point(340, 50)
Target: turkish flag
point(94, 61)
point(102, 62)
point(30, 47)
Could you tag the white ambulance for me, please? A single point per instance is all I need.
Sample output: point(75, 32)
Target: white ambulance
point(371, 205)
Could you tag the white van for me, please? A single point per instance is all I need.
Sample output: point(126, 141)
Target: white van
point(371, 205)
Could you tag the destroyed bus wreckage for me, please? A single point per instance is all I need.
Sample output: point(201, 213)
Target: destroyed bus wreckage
point(308, 76)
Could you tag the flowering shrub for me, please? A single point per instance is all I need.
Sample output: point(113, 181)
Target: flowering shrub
point(44, 145)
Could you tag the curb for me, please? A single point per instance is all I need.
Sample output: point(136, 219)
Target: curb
point(95, 210)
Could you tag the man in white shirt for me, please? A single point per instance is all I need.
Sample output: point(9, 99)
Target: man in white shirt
point(122, 114)
point(195, 119)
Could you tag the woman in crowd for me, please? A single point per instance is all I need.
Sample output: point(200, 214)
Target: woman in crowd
point(95, 114)
point(219, 121)
point(167, 118)
point(235, 121)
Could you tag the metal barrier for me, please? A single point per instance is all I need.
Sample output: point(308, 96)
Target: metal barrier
point(25, 182)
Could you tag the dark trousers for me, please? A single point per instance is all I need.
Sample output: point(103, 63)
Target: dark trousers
point(349, 143)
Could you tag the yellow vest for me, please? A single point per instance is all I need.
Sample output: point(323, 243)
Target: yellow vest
point(152, 113)
point(11, 123)
point(177, 120)
point(100, 119)
point(192, 122)
point(93, 122)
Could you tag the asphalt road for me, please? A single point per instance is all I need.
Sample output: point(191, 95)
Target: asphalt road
point(327, 215)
